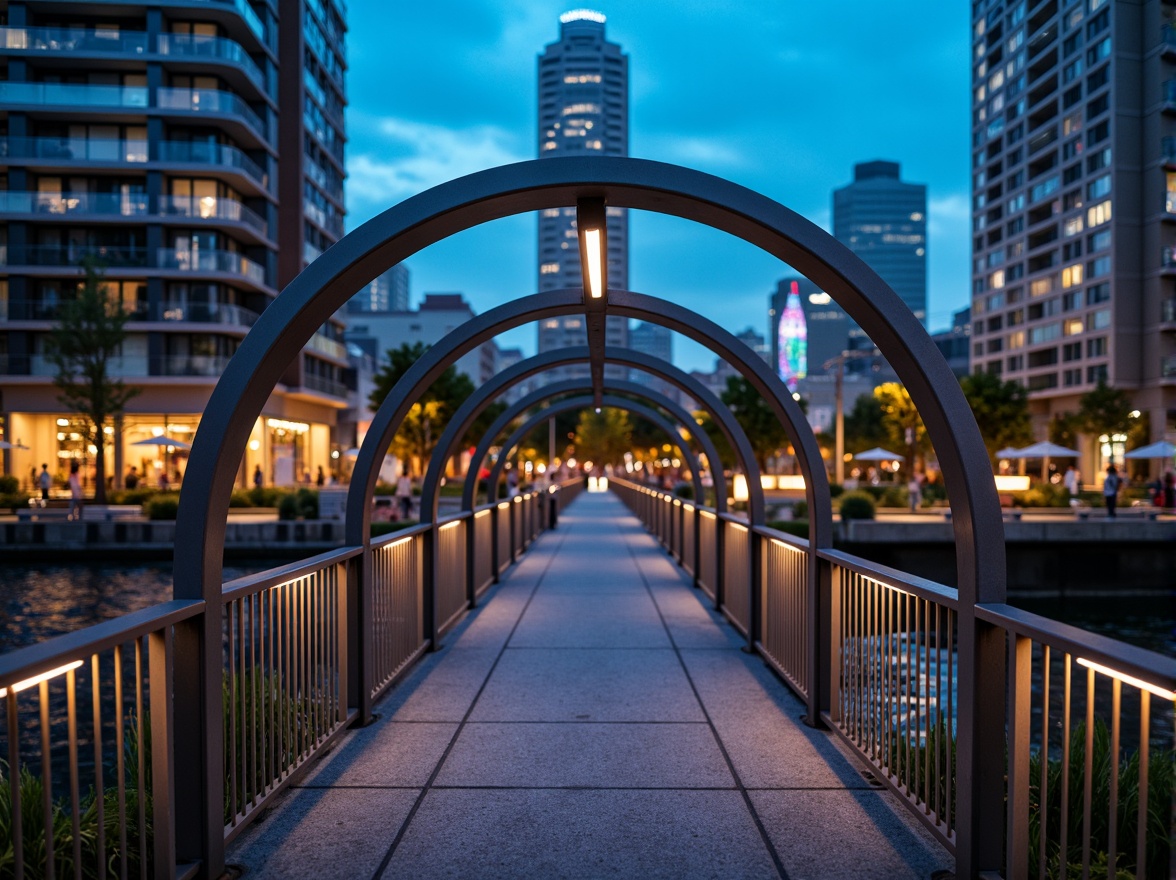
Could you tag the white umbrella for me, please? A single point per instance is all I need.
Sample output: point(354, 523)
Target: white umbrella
point(1163, 449)
point(4, 444)
point(1008, 452)
point(878, 454)
point(1045, 449)
point(163, 441)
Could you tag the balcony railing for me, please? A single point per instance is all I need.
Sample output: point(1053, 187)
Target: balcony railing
point(187, 260)
point(216, 48)
point(202, 153)
point(1168, 258)
point(48, 308)
point(74, 96)
point(41, 365)
point(246, 12)
point(1168, 367)
point(85, 40)
point(208, 313)
point(109, 204)
point(189, 365)
point(1168, 311)
point(326, 386)
point(1170, 202)
point(1168, 150)
point(331, 348)
point(212, 208)
point(1170, 91)
point(85, 149)
point(71, 255)
point(209, 101)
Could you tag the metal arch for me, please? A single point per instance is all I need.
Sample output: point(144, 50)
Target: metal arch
point(572, 385)
point(308, 301)
point(613, 400)
point(723, 419)
point(477, 402)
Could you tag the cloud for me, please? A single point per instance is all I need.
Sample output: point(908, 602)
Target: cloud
point(401, 158)
point(698, 152)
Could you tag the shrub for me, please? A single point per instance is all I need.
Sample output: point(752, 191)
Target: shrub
point(800, 509)
point(265, 496)
point(836, 490)
point(797, 527)
point(9, 485)
point(131, 496)
point(857, 505)
point(162, 506)
point(684, 490)
point(384, 528)
point(384, 489)
point(894, 496)
point(14, 500)
point(302, 504)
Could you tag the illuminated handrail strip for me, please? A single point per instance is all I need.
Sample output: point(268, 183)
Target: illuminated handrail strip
point(255, 583)
point(794, 541)
point(1148, 666)
point(891, 577)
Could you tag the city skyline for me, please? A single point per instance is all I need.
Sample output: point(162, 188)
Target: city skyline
point(754, 96)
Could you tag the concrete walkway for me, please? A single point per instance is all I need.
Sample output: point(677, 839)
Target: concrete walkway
point(593, 719)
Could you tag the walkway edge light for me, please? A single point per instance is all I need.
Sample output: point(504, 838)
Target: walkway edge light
point(591, 225)
point(1129, 679)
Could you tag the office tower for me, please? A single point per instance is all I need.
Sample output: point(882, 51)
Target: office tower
point(388, 292)
point(655, 341)
point(954, 343)
point(1074, 201)
point(583, 111)
point(826, 324)
point(148, 137)
point(884, 221)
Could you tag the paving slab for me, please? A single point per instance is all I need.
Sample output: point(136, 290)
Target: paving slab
point(610, 620)
point(385, 753)
point(605, 684)
point(324, 833)
point(887, 843)
point(586, 755)
point(581, 834)
point(441, 688)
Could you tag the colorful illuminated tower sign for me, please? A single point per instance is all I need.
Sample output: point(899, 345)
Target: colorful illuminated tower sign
point(793, 340)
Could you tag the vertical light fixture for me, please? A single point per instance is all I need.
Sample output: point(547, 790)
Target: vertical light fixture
point(593, 234)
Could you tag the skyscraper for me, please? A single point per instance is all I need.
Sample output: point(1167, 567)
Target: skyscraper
point(583, 111)
point(1073, 203)
point(884, 221)
point(149, 138)
point(655, 341)
point(388, 292)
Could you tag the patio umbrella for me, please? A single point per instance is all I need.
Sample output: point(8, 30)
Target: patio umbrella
point(1008, 452)
point(4, 444)
point(1163, 449)
point(163, 441)
point(878, 454)
point(1045, 449)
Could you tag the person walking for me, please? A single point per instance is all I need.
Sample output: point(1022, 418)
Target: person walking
point(404, 494)
point(915, 492)
point(1073, 482)
point(1168, 493)
point(1111, 489)
point(75, 493)
point(258, 478)
point(320, 479)
point(45, 481)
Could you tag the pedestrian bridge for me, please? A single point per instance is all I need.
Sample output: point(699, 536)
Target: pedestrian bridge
point(594, 717)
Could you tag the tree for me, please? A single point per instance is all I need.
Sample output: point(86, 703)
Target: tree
point(422, 427)
point(902, 423)
point(89, 332)
point(863, 425)
point(758, 420)
point(1104, 410)
point(722, 447)
point(1001, 410)
point(604, 437)
point(1063, 430)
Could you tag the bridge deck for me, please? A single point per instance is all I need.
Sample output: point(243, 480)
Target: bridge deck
point(593, 718)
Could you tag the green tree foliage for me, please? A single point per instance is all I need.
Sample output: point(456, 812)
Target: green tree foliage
point(863, 425)
point(421, 429)
point(722, 447)
point(604, 437)
point(89, 333)
point(1001, 410)
point(1104, 410)
point(757, 419)
point(901, 420)
point(1063, 430)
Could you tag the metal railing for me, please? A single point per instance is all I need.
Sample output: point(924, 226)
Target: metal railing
point(91, 717)
point(1088, 728)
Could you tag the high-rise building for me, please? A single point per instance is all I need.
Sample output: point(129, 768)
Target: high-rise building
point(656, 341)
point(388, 292)
point(148, 138)
point(826, 324)
point(1073, 203)
point(884, 221)
point(583, 111)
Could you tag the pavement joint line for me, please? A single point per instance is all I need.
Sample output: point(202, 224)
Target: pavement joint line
point(383, 866)
point(759, 824)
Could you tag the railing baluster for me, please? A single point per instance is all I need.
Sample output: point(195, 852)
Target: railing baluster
point(47, 781)
point(1113, 805)
point(99, 782)
point(1143, 813)
point(1063, 838)
point(1088, 775)
point(140, 753)
point(1043, 783)
point(71, 713)
point(14, 768)
point(120, 765)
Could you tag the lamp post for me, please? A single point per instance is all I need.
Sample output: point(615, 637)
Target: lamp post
point(839, 405)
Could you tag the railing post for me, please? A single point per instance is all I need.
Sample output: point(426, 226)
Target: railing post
point(1020, 706)
point(823, 627)
point(472, 560)
point(754, 575)
point(495, 525)
point(358, 635)
point(697, 542)
point(429, 585)
point(720, 561)
point(163, 792)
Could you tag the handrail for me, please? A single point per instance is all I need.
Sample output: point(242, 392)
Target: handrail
point(1149, 666)
point(39, 658)
point(921, 587)
point(782, 537)
point(249, 584)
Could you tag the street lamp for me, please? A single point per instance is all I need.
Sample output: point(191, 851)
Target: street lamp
point(839, 403)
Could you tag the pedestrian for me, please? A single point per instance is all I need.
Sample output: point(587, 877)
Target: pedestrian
point(46, 482)
point(915, 492)
point(404, 494)
point(132, 478)
point(258, 478)
point(1169, 493)
point(1073, 482)
point(1111, 489)
point(75, 492)
point(320, 479)
point(164, 483)
point(512, 483)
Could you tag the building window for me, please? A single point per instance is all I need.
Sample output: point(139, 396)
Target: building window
point(1099, 293)
point(1099, 266)
point(549, 269)
point(1098, 214)
point(1071, 276)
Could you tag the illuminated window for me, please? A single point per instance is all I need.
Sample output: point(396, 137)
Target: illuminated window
point(997, 279)
point(551, 212)
point(549, 268)
point(1072, 226)
point(1098, 214)
point(1071, 275)
point(1017, 339)
point(551, 325)
point(1073, 326)
point(594, 145)
point(580, 108)
point(1041, 286)
point(549, 145)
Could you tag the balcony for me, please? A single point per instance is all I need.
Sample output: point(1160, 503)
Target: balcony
point(42, 365)
point(325, 386)
point(203, 153)
point(71, 255)
point(1168, 41)
point(190, 365)
point(1168, 314)
point(1170, 205)
point(64, 96)
point(74, 149)
point(212, 208)
point(1168, 370)
point(208, 313)
point(227, 262)
point(52, 205)
point(331, 222)
point(1168, 259)
point(87, 41)
point(320, 343)
point(210, 101)
point(48, 308)
point(1168, 151)
point(242, 8)
point(1169, 96)
point(204, 49)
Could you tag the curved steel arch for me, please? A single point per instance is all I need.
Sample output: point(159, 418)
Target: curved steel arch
point(571, 385)
point(309, 301)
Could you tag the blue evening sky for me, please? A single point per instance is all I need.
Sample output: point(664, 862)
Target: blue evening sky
point(780, 96)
